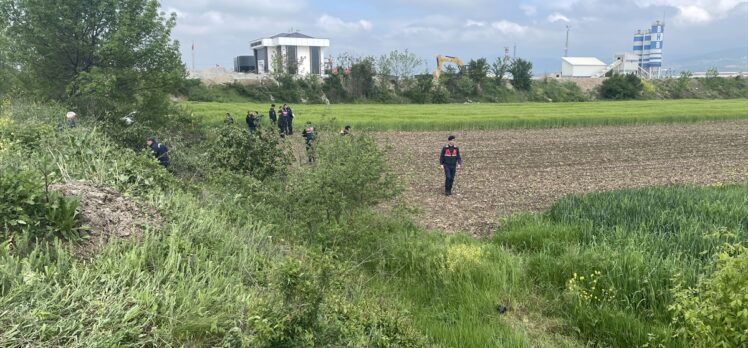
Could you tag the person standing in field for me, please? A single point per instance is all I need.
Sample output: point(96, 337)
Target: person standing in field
point(283, 122)
point(228, 119)
point(272, 115)
point(450, 160)
point(309, 140)
point(251, 122)
point(289, 126)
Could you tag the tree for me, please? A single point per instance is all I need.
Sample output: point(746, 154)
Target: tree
point(104, 56)
point(478, 70)
point(621, 87)
point(362, 79)
point(521, 71)
point(400, 64)
point(499, 68)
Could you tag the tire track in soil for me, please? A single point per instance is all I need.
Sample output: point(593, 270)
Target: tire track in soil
point(526, 170)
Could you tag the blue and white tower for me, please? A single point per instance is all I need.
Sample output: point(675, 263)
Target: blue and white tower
point(639, 45)
point(648, 45)
point(655, 48)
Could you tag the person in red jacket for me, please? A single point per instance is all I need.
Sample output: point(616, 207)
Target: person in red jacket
point(450, 160)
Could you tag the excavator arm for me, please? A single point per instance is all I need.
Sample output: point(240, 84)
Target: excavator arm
point(440, 60)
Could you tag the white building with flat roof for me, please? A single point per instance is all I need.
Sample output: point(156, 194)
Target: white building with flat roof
point(581, 66)
point(297, 53)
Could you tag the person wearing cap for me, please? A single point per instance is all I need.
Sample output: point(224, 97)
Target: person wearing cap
point(345, 131)
point(160, 151)
point(450, 160)
point(70, 119)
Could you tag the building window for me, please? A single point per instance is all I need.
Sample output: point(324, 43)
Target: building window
point(292, 60)
point(315, 60)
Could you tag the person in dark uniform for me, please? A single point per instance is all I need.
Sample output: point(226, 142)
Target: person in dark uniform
point(252, 122)
point(450, 160)
point(272, 115)
point(309, 140)
point(160, 151)
point(283, 122)
point(289, 126)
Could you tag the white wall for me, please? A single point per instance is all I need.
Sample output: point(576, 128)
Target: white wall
point(580, 70)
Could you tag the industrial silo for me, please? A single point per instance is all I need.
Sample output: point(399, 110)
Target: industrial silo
point(639, 45)
point(244, 64)
point(645, 50)
point(655, 48)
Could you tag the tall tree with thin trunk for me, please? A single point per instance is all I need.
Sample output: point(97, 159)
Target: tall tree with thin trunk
point(103, 56)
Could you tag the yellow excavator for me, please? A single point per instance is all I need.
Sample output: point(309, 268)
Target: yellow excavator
point(440, 60)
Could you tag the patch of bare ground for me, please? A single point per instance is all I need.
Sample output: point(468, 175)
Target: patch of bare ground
point(107, 215)
point(526, 170)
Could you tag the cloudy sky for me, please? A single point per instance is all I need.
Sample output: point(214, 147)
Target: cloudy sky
point(222, 29)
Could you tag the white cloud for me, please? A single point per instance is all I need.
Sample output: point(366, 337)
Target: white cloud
point(529, 10)
point(471, 23)
point(255, 6)
point(556, 17)
point(695, 11)
point(509, 28)
point(693, 14)
point(332, 24)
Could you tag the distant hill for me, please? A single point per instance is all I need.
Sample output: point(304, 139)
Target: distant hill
point(734, 59)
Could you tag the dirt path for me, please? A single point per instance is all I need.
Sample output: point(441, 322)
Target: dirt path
point(511, 171)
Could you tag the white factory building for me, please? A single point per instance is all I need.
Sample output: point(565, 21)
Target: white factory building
point(581, 66)
point(298, 53)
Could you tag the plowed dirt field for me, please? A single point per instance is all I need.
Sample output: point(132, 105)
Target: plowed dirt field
point(526, 170)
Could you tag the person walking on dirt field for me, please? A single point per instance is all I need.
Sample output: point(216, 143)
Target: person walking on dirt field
point(272, 115)
point(450, 160)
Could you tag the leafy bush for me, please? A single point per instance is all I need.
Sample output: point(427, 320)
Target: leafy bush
point(715, 312)
point(350, 173)
point(259, 155)
point(621, 87)
point(28, 207)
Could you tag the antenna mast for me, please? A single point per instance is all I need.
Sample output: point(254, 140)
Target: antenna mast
point(566, 48)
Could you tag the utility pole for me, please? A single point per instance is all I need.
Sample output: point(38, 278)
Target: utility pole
point(193, 56)
point(515, 50)
point(566, 48)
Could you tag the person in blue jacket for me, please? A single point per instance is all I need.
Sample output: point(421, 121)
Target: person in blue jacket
point(160, 151)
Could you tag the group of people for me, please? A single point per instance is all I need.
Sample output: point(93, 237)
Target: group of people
point(450, 158)
point(283, 119)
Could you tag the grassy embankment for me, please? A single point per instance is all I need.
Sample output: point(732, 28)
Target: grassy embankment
point(230, 268)
point(490, 116)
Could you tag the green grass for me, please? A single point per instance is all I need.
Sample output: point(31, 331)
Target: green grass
point(489, 116)
point(229, 263)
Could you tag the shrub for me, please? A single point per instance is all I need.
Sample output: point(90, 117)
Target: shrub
point(621, 87)
point(350, 173)
point(715, 312)
point(259, 155)
point(28, 207)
